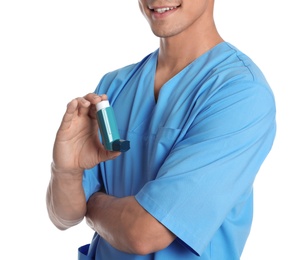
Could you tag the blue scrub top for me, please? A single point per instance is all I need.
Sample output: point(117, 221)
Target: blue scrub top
point(194, 153)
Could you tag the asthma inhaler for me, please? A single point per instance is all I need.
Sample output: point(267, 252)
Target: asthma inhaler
point(108, 128)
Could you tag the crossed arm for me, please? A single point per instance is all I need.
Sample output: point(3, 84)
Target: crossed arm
point(121, 221)
point(126, 225)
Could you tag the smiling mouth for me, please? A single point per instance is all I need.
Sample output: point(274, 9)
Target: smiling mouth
point(163, 9)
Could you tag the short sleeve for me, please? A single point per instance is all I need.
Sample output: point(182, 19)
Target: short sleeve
point(213, 165)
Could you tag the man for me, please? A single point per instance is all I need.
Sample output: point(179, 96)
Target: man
point(200, 118)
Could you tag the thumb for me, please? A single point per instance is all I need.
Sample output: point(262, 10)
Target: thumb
point(111, 155)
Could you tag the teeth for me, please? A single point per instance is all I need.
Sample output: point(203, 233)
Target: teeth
point(163, 10)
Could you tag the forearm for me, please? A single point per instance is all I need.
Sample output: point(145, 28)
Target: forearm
point(66, 201)
point(126, 225)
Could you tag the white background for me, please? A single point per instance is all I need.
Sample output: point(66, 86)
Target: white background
point(53, 51)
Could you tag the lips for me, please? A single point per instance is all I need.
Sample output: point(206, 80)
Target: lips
point(162, 10)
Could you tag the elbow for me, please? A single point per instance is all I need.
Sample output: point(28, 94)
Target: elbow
point(140, 242)
point(63, 224)
point(59, 226)
point(139, 247)
point(142, 247)
point(64, 219)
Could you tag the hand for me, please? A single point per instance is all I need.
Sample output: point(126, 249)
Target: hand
point(77, 146)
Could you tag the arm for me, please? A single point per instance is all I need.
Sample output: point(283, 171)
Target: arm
point(66, 202)
point(218, 158)
point(126, 225)
point(76, 147)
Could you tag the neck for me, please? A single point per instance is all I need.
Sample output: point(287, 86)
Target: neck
point(178, 51)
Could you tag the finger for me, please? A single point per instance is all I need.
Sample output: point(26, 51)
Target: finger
point(110, 155)
point(83, 106)
point(69, 114)
point(92, 112)
point(94, 98)
point(73, 109)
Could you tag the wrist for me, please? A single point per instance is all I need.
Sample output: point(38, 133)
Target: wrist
point(66, 173)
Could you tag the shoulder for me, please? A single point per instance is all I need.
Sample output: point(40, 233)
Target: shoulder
point(121, 75)
point(232, 73)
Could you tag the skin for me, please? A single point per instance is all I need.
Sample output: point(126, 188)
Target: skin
point(185, 33)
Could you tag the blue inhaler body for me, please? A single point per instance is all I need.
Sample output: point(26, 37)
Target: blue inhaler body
point(109, 129)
